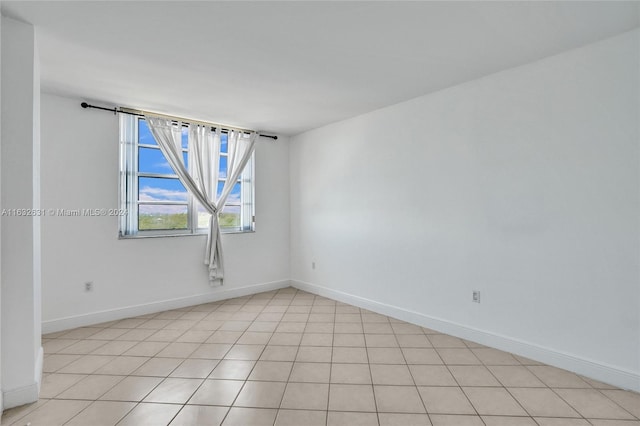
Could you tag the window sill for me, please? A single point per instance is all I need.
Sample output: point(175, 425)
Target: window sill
point(139, 236)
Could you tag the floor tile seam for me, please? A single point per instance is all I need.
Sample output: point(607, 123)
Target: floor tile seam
point(546, 386)
point(600, 391)
point(544, 381)
point(464, 393)
point(72, 353)
point(26, 413)
point(87, 407)
point(331, 368)
point(582, 415)
point(81, 399)
point(123, 376)
point(412, 378)
point(497, 387)
point(373, 390)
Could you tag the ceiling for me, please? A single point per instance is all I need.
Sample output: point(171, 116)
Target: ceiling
point(287, 67)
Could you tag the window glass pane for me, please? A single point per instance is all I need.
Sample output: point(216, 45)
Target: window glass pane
point(152, 161)
point(203, 217)
point(185, 137)
point(162, 216)
point(161, 189)
point(219, 191)
point(230, 217)
point(234, 196)
point(223, 166)
point(223, 142)
point(144, 134)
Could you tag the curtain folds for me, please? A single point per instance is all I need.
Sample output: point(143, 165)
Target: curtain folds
point(202, 176)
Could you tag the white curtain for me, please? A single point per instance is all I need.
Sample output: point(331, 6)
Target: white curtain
point(202, 180)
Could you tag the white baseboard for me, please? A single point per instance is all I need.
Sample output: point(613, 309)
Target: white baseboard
point(605, 373)
point(219, 293)
point(20, 396)
point(25, 394)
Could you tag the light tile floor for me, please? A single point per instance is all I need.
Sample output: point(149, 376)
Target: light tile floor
point(292, 358)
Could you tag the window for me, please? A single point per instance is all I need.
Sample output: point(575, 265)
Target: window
point(157, 204)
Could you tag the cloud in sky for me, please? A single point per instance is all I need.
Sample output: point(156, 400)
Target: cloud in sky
point(233, 198)
point(148, 193)
point(163, 165)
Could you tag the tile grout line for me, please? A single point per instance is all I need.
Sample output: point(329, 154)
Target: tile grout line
point(498, 381)
point(411, 373)
point(456, 380)
point(333, 336)
point(366, 350)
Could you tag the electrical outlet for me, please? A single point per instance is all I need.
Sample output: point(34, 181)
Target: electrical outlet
point(313, 265)
point(476, 296)
point(88, 286)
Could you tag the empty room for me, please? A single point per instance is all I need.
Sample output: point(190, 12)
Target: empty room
point(320, 213)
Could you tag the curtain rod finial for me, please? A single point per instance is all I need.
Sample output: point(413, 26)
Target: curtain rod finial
point(84, 105)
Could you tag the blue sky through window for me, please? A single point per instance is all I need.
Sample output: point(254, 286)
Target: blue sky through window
point(161, 189)
point(234, 197)
point(151, 160)
point(223, 143)
point(144, 135)
point(223, 167)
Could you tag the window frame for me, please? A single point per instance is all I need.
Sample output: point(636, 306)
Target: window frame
point(129, 189)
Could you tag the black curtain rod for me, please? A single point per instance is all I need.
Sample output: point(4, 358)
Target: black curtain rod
point(116, 110)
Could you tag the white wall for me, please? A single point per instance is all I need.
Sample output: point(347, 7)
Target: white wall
point(80, 170)
point(523, 185)
point(20, 275)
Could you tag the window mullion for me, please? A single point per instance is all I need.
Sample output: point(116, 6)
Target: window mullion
point(193, 211)
point(246, 197)
point(133, 181)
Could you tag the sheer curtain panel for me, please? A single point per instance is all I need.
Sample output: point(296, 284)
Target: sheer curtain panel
point(202, 176)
